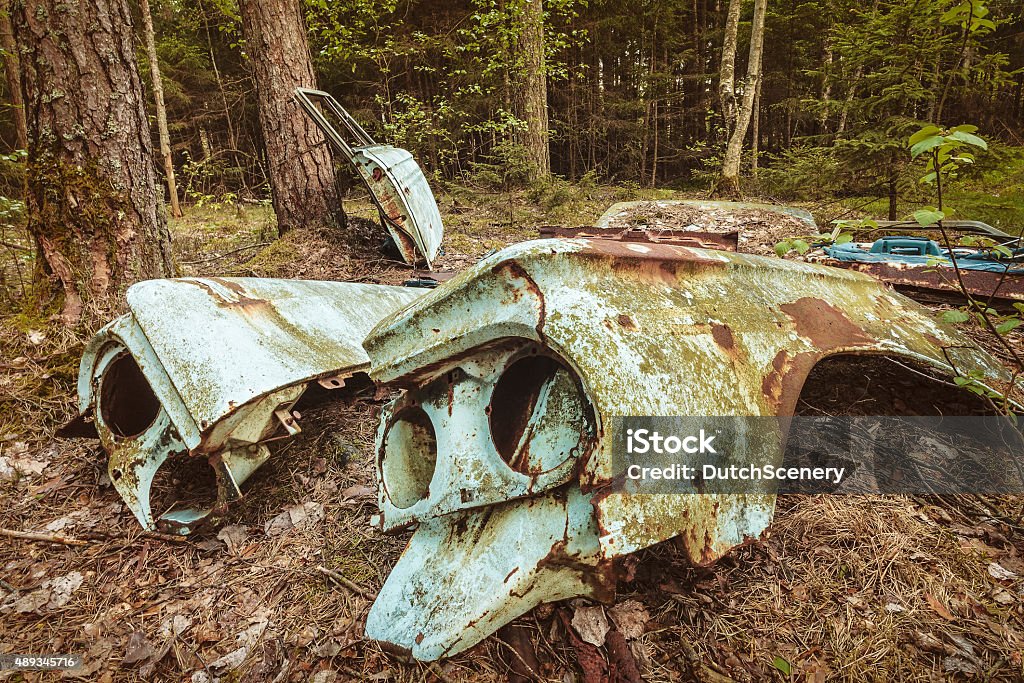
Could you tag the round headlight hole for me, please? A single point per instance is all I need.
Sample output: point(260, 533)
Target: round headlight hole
point(409, 458)
point(538, 414)
point(127, 403)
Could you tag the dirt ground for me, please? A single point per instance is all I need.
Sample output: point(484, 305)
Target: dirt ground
point(847, 588)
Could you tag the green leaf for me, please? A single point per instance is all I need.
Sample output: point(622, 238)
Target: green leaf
point(925, 132)
point(801, 246)
point(1003, 250)
point(955, 316)
point(844, 238)
point(926, 145)
point(1019, 306)
point(926, 217)
point(930, 178)
point(970, 139)
point(783, 666)
point(965, 127)
point(1009, 325)
point(960, 380)
point(782, 248)
point(953, 14)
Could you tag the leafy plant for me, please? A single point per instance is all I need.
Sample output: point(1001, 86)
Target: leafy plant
point(946, 152)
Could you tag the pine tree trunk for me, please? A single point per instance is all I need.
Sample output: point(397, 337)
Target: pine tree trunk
point(12, 70)
point(729, 183)
point(93, 202)
point(533, 88)
point(161, 110)
point(299, 163)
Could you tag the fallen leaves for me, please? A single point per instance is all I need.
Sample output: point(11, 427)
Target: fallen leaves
point(139, 649)
point(300, 516)
point(939, 608)
point(233, 536)
point(630, 618)
point(15, 463)
point(52, 594)
point(591, 624)
point(230, 661)
point(1000, 573)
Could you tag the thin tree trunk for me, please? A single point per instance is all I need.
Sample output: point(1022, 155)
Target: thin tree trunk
point(232, 136)
point(826, 89)
point(299, 163)
point(161, 110)
point(849, 100)
point(12, 70)
point(92, 195)
point(729, 183)
point(727, 71)
point(755, 133)
point(533, 88)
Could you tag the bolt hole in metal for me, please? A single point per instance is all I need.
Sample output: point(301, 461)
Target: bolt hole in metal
point(127, 403)
point(537, 414)
point(410, 455)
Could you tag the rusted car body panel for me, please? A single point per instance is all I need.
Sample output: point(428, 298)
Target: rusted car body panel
point(212, 367)
point(981, 284)
point(953, 229)
point(727, 241)
point(395, 181)
point(621, 209)
point(511, 512)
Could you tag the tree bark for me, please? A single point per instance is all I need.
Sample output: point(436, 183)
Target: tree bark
point(161, 110)
point(12, 70)
point(727, 70)
point(532, 93)
point(729, 183)
point(755, 133)
point(300, 167)
point(92, 197)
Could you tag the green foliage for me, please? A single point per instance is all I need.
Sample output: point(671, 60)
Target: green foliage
point(507, 167)
point(970, 16)
point(783, 666)
point(945, 152)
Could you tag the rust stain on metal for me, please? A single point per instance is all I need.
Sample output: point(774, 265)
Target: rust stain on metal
point(824, 324)
point(723, 337)
point(978, 283)
point(727, 241)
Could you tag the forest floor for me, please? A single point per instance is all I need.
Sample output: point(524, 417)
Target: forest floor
point(850, 588)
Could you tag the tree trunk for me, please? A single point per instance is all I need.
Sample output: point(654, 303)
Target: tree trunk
point(532, 93)
point(161, 110)
point(826, 90)
point(727, 70)
point(12, 70)
point(755, 133)
point(729, 183)
point(299, 163)
point(92, 196)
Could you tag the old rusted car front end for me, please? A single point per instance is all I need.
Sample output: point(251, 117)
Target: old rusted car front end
point(498, 450)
